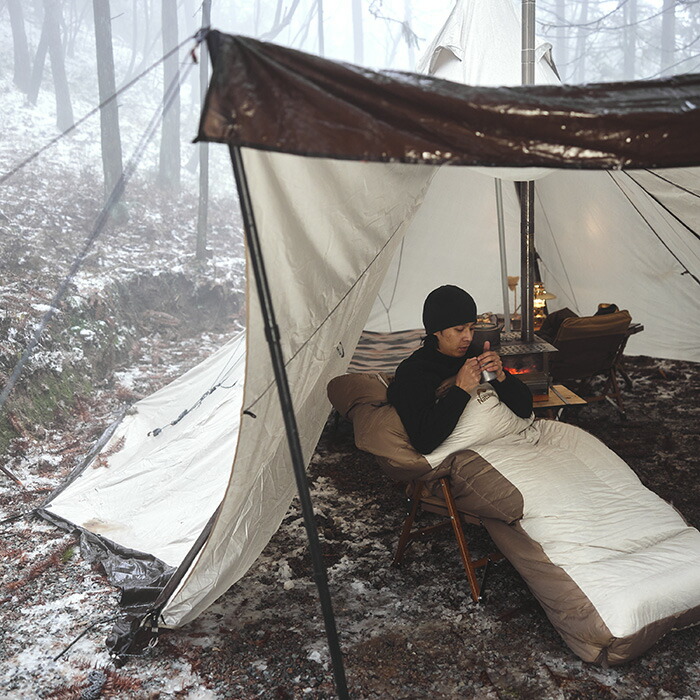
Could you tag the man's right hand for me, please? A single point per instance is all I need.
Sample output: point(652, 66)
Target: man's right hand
point(469, 375)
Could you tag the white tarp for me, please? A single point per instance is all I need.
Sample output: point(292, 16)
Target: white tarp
point(155, 492)
point(328, 231)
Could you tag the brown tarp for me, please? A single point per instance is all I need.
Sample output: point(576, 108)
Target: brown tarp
point(274, 98)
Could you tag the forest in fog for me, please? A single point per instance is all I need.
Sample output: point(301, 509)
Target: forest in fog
point(592, 41)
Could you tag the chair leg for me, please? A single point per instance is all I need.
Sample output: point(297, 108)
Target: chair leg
point(612, 392)
point(406, 537)
point(617, 393)
point(461, 540)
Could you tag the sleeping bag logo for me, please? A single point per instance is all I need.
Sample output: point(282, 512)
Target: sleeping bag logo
point(483, 394)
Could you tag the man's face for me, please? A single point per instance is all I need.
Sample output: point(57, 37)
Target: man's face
point(455, 341)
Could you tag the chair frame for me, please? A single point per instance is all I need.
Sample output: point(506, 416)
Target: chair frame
point(448, 508)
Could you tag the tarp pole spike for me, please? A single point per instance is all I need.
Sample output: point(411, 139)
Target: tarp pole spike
point(265, 297)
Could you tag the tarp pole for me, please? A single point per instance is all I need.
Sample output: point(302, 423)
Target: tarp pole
point(272, 335)
point(502, 251)
point(527, 192)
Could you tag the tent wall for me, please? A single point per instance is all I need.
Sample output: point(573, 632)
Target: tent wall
point(328, 230)
point(161, 475)
point(453, 239)
point(603, 239)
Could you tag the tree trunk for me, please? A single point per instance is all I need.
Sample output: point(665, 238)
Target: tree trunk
point(581, 44)
point(39, 62)
point(203, 205)
point(410, 47)
point(109, 114)
point(630, 39)
point(668, 37)
point(169, 169)
point(21, 48)
point(358, 46)
point(561, 57)
point(321, 39)
point(64, 109)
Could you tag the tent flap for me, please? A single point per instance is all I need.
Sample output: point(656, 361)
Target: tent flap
point(274, 98)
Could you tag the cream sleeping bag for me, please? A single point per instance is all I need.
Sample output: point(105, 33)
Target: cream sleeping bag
point(614, 566)
point(484, 419)
point(631, 560)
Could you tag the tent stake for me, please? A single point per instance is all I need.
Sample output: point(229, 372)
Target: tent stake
point(273, 341)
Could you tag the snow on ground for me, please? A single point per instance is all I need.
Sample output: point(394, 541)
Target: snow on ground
point(410, 632)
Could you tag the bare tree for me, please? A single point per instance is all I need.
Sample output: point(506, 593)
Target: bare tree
point(282, 19)
point(668, 36)
point(203, 205)
point(53, 21)
point(411, 46)
point(580, 74)
point(39, 62)
point(562, 39)
point(21, 48)
point(109, 114)
point(321, 40)
point(630, 39)
point(358, 44)
point(169, 166)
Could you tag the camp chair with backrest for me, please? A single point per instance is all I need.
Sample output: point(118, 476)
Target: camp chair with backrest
point(590, 347)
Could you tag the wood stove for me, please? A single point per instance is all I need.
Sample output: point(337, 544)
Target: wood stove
point(529, 362)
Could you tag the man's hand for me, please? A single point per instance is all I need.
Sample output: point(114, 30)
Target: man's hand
point(469, 375)
point(490, 361)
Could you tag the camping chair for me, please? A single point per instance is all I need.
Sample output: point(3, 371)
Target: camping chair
point(589, 347)
point(419, 498)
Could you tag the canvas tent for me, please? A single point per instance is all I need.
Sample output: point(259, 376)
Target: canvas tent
point(339, 163)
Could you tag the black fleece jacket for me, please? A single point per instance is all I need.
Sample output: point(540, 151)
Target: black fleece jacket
point(427, 420)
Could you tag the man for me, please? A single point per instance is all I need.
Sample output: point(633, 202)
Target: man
point(449, 315)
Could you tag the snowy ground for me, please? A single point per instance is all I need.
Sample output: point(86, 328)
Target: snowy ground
point(405, 633)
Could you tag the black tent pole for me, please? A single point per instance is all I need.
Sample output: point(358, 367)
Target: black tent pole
point(272, 335)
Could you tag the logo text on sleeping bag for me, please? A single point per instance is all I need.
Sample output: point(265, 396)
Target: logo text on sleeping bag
point(483, 394)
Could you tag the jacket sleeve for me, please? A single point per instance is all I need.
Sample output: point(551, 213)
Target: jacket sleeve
point(427, 421)
point(514, 394)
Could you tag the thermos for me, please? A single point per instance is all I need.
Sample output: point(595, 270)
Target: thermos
point(483, 332)
point(487, 376)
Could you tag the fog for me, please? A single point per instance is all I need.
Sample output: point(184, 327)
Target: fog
point(49, 54)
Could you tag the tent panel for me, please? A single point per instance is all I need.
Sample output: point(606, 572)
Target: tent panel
point(597, 248)
point(453, 239)
point(348, 218)
point(154, 493)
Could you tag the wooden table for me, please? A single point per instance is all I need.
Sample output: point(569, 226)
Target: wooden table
point(559, 397)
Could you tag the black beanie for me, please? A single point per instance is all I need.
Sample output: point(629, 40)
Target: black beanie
point(447, 306)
